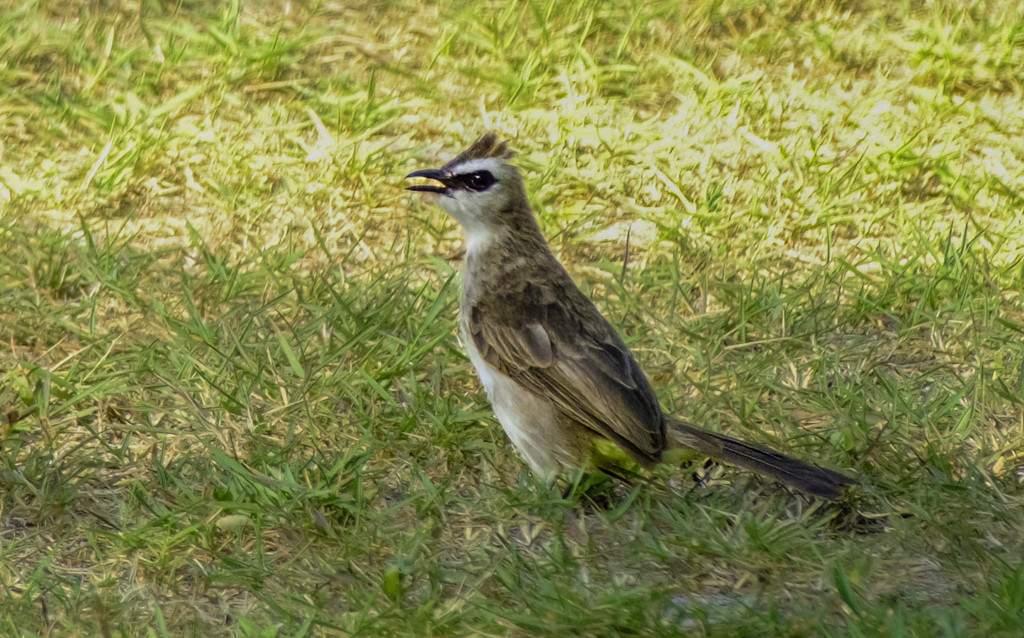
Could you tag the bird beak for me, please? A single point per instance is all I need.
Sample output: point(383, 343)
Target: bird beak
point(429, 173)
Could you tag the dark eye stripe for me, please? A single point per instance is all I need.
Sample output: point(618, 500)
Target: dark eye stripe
point(477, 181)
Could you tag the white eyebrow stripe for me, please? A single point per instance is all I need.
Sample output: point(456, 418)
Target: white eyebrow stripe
point(483, 164)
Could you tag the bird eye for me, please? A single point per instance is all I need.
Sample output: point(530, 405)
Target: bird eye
point(479, 181)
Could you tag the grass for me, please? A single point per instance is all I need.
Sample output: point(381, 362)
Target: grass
point(232, 401)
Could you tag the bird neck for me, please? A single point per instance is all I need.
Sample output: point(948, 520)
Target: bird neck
point(500, 251)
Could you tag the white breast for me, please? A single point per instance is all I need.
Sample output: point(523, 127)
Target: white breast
point(530, 421)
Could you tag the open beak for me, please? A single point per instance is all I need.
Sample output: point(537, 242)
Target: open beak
point(429, 173)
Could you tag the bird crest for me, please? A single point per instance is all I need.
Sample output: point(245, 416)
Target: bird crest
point(487, 145)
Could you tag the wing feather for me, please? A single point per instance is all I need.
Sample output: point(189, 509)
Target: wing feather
point(589, 375)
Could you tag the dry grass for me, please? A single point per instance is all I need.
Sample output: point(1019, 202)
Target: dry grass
point(232, 402)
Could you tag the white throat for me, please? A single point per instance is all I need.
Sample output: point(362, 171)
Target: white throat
point(479, 238)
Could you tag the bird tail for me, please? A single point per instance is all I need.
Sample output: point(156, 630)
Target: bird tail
point(797, 474)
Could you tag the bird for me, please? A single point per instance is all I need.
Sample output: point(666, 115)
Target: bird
point(559, 377)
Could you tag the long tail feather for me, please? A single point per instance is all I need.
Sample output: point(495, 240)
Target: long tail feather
point(802, 476)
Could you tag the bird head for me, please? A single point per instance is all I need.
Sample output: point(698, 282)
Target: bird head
point(479, 188)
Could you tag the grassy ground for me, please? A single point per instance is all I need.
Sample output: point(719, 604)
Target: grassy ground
point(232, 402)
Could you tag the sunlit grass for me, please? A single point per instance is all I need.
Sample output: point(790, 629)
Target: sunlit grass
point(231, 397)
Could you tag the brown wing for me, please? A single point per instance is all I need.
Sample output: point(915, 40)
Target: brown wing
point(572, 356)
